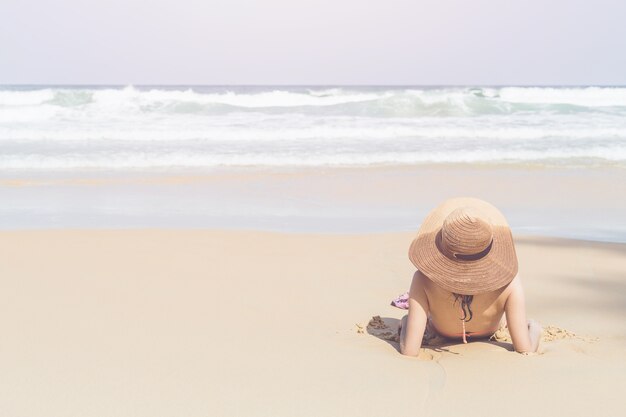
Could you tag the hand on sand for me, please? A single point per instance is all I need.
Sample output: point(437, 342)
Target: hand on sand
point(534, 331)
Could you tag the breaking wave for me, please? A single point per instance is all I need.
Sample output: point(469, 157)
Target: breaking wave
point(144, 127)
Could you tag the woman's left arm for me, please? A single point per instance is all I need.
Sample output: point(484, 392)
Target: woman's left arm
point(414, 324)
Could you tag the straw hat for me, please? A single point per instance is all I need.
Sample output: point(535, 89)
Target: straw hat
point(465, 246)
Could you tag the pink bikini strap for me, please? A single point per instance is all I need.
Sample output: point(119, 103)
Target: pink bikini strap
point(463, 321)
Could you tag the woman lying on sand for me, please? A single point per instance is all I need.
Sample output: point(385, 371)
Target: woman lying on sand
point(466, 279)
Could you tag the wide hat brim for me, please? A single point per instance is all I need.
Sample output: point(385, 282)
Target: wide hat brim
point(468, 277)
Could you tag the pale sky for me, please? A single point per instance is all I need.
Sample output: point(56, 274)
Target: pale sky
point(460, 42)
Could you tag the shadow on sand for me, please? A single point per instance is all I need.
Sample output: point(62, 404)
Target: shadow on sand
point(386, 328)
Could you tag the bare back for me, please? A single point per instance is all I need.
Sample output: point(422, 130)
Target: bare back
point(487, 310)
point(426, 299)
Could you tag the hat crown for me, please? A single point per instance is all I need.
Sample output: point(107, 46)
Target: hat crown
point(466, 232)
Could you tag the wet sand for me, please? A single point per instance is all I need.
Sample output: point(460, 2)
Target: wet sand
point(570, 202)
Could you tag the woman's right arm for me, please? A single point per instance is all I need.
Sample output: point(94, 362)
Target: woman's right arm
point(519, 327)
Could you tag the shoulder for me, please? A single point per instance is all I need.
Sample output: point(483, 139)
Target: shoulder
point(419, 289)
point(419, 279)
point(513, 287)
point(420, 284)
point(516, 282)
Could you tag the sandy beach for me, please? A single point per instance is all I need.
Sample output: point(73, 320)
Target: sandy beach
point(162, 257)
point(206, 208)
point(244, 323)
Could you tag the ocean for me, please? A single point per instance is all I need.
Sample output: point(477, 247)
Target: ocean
point(57, 128)
point(311, 159)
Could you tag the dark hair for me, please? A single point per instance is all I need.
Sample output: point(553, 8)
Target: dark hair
point(466, 302)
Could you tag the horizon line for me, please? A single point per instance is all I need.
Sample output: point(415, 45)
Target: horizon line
point(300, 85)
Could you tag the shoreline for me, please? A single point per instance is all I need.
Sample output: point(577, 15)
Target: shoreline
point(561, 202)
point(521, 237)
point(194, 173)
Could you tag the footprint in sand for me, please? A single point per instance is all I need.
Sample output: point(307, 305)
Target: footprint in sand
point(387, 331)
point(551, 333)
point(377, 327)
point(428, 355)
point(548, 334)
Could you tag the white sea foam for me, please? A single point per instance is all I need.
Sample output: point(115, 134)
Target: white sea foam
point(25, 98)
point(128, 160)
point(274, 98)
point(271, 133)
point(140, 127)
point(585, 97)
